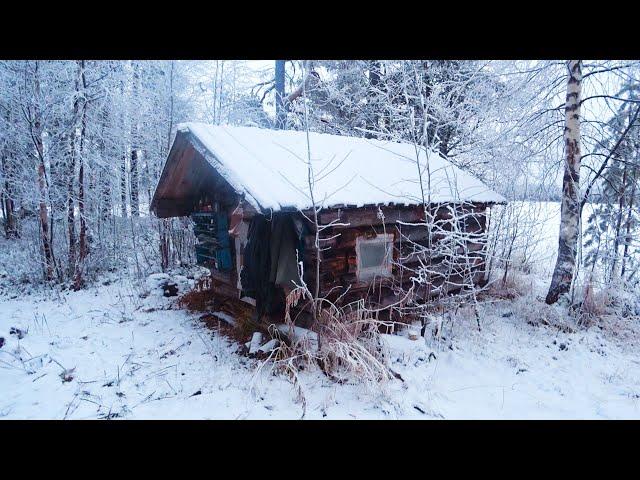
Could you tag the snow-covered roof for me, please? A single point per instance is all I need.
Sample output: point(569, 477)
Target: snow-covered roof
point(270, 168)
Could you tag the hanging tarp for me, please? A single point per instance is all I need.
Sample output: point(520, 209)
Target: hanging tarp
point(270, 260)
point(257, 265)
point(284, 259)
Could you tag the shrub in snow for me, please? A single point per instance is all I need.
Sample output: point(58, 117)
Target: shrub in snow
point(535, 312)
point(345, 343)
point(595, 305)
point(19, 267)
point(508, 286)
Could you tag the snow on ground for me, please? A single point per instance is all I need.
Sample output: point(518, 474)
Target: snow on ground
point(107, 353)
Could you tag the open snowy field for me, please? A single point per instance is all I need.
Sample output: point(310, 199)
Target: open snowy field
point(110, 352)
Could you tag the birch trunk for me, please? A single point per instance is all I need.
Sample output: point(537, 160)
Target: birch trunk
point(570, 210)
point(104, 178)
point(135, 145)
point(135, 199)
point(123, 186)
point(44, 217)
point(123, 163)
point(36, 134)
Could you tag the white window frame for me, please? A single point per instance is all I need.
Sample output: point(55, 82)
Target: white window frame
point(369, 273)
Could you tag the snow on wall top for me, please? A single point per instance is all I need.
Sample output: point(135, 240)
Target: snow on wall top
point(270, 167)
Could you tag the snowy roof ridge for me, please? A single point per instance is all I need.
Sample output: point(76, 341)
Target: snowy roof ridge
point(270, 167)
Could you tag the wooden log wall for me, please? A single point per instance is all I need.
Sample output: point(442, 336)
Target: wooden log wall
point(411, 237)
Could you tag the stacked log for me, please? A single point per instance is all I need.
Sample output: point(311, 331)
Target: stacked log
point(339, 263)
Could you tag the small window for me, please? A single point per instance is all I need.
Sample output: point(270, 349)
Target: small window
point(374, 256)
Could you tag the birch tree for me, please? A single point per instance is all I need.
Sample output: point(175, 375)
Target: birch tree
point(564, 270)
point(135, 143)
point(33, 115)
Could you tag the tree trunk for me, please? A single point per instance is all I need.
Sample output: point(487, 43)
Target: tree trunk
point(445, 137)
point(135, 199)
point(123, 186)
point(123, 158)
point(373, 119)
point(78, 116)
point(220, 93)
point(36, 134)
point(71, 220)
point(309, 82)
point(8, 206)
point(135, 145)
point(163, 224)
point(628, 238)
point(44, 219)
point(104, 179)
point(618, 227)
point(570, 210)
point(164, 244)
point(7, 198)
point(82, 243)
point(281, 111)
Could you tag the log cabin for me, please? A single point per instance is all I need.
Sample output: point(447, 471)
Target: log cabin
point(352, 218)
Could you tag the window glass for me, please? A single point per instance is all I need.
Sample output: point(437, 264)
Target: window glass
point(374, 256)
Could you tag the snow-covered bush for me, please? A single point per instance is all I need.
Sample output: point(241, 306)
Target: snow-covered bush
point(20, 268)
point(595, 304)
